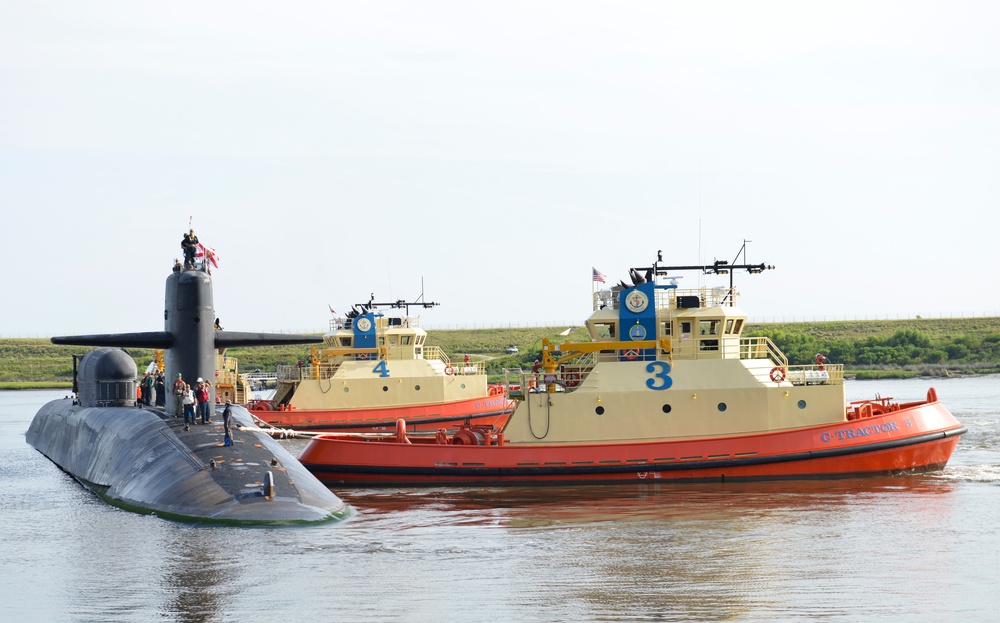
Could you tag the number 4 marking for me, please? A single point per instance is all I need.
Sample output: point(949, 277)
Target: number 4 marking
point(382, 369)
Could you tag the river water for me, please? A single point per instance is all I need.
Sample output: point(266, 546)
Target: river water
point(914, 548)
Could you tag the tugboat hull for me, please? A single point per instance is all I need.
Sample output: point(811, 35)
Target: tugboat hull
point(917, 437)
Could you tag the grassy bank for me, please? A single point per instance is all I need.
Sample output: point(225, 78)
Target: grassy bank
point(868, 349)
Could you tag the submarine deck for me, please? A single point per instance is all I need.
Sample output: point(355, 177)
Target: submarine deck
point(240, 469)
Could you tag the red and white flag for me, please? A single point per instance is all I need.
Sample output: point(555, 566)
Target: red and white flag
point(207, 253)
point(599, 276)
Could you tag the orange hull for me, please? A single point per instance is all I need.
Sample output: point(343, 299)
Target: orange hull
point(916, 438)
point(485, 411)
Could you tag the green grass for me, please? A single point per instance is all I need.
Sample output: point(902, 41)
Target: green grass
point(36, 385)
point(868, 349)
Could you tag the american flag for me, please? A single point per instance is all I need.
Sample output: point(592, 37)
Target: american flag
point(599, 276)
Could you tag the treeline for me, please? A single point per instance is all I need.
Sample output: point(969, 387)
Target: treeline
point(929, 346)
point(866, 348)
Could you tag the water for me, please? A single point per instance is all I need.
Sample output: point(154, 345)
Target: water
point(917, 548)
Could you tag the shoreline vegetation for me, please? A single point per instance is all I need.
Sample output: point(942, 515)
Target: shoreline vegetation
point(870, 349)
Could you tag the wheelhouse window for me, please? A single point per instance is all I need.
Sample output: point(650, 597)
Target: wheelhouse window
point(605, 330)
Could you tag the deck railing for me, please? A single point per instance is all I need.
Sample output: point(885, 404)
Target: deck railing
point(762, 348)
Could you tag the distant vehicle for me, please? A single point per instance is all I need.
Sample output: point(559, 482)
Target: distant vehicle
point(511, 350)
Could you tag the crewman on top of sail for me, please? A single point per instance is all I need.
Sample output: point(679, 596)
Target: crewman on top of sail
point(190, 245)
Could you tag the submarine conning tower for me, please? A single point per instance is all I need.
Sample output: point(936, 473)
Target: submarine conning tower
point(189, 337)
point(106, 378)
point(189, 314)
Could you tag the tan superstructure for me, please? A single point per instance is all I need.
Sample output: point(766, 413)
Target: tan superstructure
point(696, 377)
point(398, 369)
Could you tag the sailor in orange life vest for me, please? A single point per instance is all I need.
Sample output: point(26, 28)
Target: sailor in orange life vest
point(820, 360)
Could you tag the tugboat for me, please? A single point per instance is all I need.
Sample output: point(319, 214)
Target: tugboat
point(376, 369)
point(668, 389)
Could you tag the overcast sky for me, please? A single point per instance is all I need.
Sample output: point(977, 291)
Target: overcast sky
point(495, 153)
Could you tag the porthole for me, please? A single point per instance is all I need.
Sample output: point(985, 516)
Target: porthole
point(347, 389)
point(599, 410)
point(802, 404)
point(385, 388)
point(416, 387)
point(722, 407)
point(462, 385)
point(666, 408)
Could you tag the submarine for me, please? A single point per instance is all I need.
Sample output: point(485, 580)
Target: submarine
point(144, 459)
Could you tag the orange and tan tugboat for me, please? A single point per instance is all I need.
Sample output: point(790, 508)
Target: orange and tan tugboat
point(376, 369)
point(669, 390)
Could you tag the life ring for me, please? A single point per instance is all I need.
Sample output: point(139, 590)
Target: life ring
point(363, 356)
point(777, 374)
point(631, 354)
point(449, 370)
point(572, 379)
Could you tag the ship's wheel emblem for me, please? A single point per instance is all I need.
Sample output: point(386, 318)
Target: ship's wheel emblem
point(636, 301)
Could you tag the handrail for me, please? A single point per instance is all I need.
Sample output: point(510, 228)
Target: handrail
point(762, 348)
point(813, 374)
point(381, 323)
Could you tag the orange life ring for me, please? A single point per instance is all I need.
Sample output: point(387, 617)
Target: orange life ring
point(777, 374)
point(363, 356)
point(572, 379)
point(631, 354)
point(449, 370)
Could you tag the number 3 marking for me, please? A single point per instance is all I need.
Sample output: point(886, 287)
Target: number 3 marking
point(659, 370)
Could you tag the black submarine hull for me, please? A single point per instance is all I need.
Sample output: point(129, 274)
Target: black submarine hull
point(144, 460)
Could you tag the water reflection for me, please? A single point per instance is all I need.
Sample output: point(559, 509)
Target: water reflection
point(545, 506)
point(196, 572)
point(685, 552)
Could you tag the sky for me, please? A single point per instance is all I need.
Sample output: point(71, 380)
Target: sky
point(490, 155)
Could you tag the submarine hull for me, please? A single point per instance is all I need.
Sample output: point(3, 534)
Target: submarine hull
point(144, 460)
